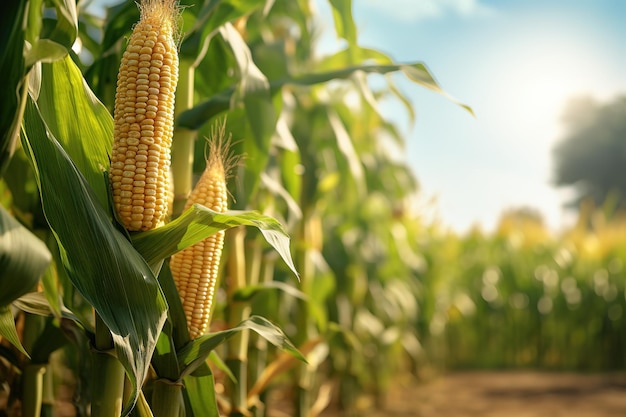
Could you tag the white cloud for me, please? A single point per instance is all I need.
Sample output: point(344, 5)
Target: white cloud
point(429, 9)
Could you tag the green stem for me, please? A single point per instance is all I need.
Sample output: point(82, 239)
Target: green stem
point(306, 373)
point(33, 390)
point(183, 141)
point(257, 352)
point(237, 358)
point(167, 398)
point(107, 380)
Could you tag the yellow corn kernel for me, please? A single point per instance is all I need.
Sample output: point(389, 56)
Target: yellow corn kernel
point(195, 268)
point(144, 118)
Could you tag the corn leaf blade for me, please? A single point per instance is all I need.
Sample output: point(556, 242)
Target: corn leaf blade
point(197, 116)
point(213, 15)
point(195, 352)
point(344, 23)
point(199, 222)
point(65, 27)
point(36, 303)
point(76, 118)
point(12, 70)
point(8, 330)
point(254, 92)
point(250, 291)
point(23, 259)
point(199, 393)
point(99, 260)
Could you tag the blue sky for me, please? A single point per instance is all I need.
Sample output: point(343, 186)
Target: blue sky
point(516, 62)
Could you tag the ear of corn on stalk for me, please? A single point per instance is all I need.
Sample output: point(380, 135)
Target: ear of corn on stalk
point(144, 118)
point(195, 268)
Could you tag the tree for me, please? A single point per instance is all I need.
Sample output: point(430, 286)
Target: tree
point(591, 156)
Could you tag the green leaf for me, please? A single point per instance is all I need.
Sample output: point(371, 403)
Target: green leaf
point(221, 365)
point(351, 56)
point(57, 35)
point(176, 313)
point(65, 29)
point(345, 146)
point(13, 93)
point(254, 91)
point(49, 340)
point(81, 124)
point(164, 359)
point(199, 393)
point(195, 353)
point(344, 24)
point(44, 50)
point(248, 292)
point(51, 288)
point(197, 116)
point(212, 16)
point(199, 222)
point(286, 173)
point(23, 259)
point(36, 303)
point(100, 262)
point(405, 101)
point(7, 329)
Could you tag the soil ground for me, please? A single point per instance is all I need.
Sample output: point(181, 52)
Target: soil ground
point(508, 394)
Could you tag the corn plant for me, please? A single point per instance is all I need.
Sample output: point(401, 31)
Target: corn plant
point(525, 297)
point(67, 135)
point(133, 263)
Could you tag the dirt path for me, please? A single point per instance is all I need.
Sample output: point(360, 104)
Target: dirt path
point(511, 394)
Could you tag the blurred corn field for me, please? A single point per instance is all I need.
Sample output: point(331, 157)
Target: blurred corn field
point(331, 283)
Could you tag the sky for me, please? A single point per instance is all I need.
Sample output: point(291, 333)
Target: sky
point(516, 63)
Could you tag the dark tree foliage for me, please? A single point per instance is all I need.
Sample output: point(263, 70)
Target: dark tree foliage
point(592, 154)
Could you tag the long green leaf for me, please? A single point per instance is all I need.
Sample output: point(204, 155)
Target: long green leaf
point(351, 56)
point(101, 263)
point(197, 116)
point(344, 24)
point(36, 303)
point(213, 15)
point(254, 91)
point(248, 292)
point(13, 93)
point(23, 259)
point(76, 118)
point(195, 352)
point(50, 339)
point(199, 393)
point(174, 334)
point(199, 222)
point(65, 27)
point(57, 35)
point(7, 328)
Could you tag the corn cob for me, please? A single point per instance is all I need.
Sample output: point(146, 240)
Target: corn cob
point(144, 118)
point(195, 268)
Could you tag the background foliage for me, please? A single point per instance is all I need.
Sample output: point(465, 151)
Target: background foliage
point(380, 291)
